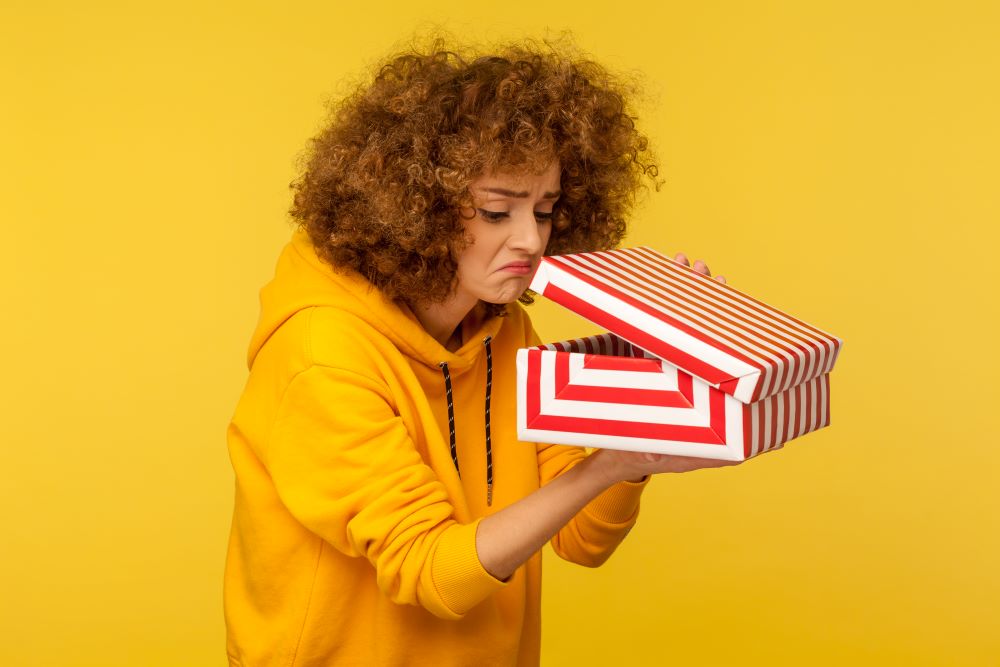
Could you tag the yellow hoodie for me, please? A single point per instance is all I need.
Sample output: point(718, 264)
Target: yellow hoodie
point(353, 535)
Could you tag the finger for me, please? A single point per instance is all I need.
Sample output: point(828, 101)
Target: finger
point(721, 279)
point(701, 462)
point(681, 258)
point(701, 267)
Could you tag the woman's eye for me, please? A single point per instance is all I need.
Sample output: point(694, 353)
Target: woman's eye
point(543, 215)
point(493, 216)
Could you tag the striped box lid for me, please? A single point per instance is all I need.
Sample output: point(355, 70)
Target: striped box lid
point(717, 333)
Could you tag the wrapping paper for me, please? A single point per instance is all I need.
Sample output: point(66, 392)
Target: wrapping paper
point(690, 366)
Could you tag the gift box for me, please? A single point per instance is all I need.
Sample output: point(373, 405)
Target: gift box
point(689, 366)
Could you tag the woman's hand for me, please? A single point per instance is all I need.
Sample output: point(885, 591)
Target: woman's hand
point(699, 266)
point(619, 466)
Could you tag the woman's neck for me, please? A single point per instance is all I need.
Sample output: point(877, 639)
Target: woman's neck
point(443, 321)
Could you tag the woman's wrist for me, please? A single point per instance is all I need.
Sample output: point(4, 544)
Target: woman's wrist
point(607, 464)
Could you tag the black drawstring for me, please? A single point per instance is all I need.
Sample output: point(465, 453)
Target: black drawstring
point(489, 445)
point(451, 419)
point(451, 415)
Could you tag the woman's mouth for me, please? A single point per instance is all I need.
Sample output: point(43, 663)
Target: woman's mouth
point(517, 268)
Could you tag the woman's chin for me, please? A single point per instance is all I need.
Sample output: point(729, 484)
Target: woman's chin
point(505, 296)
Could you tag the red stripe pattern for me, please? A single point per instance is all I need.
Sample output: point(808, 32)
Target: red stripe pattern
point(715, 332)
point(688, 417)
point(691, 366)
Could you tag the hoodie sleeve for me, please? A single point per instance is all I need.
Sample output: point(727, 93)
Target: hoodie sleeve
point(345, 466)
point(596, 531)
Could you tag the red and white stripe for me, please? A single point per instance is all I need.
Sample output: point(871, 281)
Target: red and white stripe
point(730, 340)
point(618, 396)
point(608, 343)
point(794, 412)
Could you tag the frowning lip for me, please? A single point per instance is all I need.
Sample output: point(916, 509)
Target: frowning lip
point(520, 268)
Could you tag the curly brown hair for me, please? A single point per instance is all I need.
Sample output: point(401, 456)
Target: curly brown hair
point(383, 182)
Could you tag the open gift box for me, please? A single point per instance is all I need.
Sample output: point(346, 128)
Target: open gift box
point(690, 366)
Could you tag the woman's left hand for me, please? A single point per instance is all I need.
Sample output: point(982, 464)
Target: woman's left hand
point(699, 266)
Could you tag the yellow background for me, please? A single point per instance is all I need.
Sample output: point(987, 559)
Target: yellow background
point(838, 160)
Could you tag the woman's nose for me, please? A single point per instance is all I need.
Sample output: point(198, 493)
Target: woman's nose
point(525, 235)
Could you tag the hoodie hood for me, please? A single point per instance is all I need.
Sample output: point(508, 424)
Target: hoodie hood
point(303, 280)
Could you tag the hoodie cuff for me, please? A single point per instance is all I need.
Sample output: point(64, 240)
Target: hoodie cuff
point(459, 578)
point(619, 503)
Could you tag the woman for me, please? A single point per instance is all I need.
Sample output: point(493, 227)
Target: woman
point(386, 513)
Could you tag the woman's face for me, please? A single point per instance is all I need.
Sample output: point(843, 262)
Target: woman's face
point(510, 229)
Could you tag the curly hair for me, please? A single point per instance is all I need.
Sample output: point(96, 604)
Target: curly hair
point(385, 180)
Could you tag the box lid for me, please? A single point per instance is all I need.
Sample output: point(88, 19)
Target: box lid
point(712, 331)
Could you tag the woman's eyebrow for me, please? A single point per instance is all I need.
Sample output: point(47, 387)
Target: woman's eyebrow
point(520, 195)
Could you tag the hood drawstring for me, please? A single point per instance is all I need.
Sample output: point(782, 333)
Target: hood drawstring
point(489, 445)
point(451, 419)
point(451, 415)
